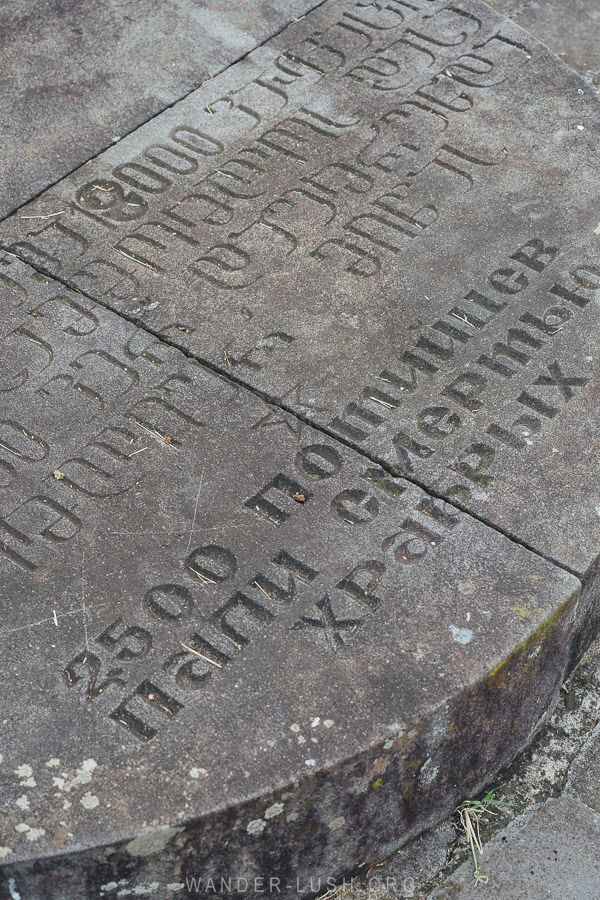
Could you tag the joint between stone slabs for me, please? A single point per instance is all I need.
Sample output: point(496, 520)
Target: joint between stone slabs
point(160, 112)
point(530, 539)
point(276, 402)
point(515, 682)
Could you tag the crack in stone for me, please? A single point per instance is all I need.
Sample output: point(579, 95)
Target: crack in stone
point(111, 143)
point(276, 402)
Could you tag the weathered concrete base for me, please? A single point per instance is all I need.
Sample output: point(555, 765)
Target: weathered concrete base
point(548, 854)
point(562, 762)
point(318, 829)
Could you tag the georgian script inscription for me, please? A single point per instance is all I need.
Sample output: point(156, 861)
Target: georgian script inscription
point(240, 190)
point(177, 537)
point(339, 155)
point(384, 183)
point(89, 406)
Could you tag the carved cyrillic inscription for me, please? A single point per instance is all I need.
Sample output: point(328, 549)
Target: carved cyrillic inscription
point(514, 359)
point(247, 226)
point(249, 561)
point(214, 614)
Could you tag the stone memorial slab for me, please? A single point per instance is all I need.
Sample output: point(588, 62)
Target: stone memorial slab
point(386, 221)
point(76, 76)
point(232, 647)
point(570, 29)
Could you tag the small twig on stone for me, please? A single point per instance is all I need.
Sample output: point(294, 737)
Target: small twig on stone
point(50, 216)
point(201, 655)
point(202, 577)
point(132, 258)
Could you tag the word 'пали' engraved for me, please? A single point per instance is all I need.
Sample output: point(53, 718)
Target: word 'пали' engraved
point(217, 638)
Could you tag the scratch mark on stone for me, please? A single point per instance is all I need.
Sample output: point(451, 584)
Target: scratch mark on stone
point(69, 612)
point(83, 609)
point(189, 543)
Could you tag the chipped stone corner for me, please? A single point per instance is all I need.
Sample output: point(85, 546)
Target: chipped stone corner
point(152, 841)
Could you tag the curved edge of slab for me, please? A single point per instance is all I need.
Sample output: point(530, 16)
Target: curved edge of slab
point(311, 752)
point(299, 839)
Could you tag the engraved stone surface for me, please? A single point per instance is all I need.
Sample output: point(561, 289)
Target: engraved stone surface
point(387, 219)
point(570, 29)
point(76, 76)
point(231, 646)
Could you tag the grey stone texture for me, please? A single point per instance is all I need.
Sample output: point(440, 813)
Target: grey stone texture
point(549, 854)
point(75, 76)
point(385, 220)
point(230, 645)
point(414, 864)
point(561, 761)
point(569, 28)
point(405, 871)
point(584, 776)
